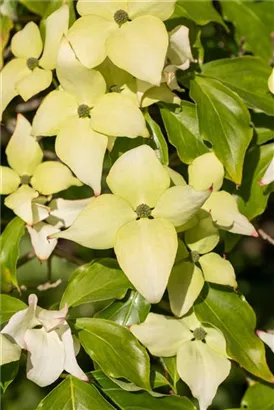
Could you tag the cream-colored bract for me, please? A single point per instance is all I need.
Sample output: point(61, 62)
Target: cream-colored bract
point(50, 348)
point(138, 45)
point(206, 172)
point(22, 75)
point(144, 239)
point(25, 156)
point(201, 362)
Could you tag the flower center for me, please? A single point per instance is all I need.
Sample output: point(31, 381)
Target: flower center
point(25, 179)
point(120, 17)
point(115, 89)
point(194, 256)
point(83, 111)
point(32, 63)
point(143, 211)
point(199, 333)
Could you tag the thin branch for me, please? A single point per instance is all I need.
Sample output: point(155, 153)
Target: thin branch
point(25, 258)
point(265, 236)
point(61, 253)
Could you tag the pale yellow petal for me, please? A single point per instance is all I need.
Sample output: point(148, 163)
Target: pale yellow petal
point(42, 245)
point(161, 335)
point(206, 171)
point(23, 151)
point(97, 225)
point(51, 177)
point(86, 85)
point(162, 93)
point(185, 284)
point(176, 178)
point(63, 212)
point(88, 36)
point(215, 340)
point(179, 50)
point(37, 80)
point(27, 42)
point(203, 237)
point(105, 8)
point(83, 150)
point(10, 351)
point(179, 203)
point(268, 176)
point(202, 369)
point(55, 25)
point(217, 270)
point(146, 251)
point(139, 177)
point(271, 81)
point(124, 119)
point(140, 47)
point(9, 180)
point(21, 203)
point(161, 9)
point(12, 72)
point(53, 113)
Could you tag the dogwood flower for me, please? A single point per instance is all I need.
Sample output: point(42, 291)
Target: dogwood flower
point(225, 214)
point(24, 156)
point(47, 338)
point(268, 176)
point(271, 82)
point(138, 219)
point(206, 171)
point(179, 55)
point(28, 74)
point(81, 115)
point(267, 337)
point(200, 350)
point(196, 265)
point(131, 33)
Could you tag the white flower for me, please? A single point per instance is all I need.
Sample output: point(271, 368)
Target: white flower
point(47, 337)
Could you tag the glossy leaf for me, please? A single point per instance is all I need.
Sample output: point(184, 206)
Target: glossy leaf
point(9, 253)
point(252, 20)
point(140, 400)
point(224, 121)
point(264, 127)
point(247, 76)
point(115, 350)
point(9, 306)
point(259, 397)
point(5, 28)
point(8, 374)
point(158, 138)
point(74, 394)
point(251, 197)
point(234, 317)
point(202, 12)
point(133, 310)
point(183, 131)
point(94, 282)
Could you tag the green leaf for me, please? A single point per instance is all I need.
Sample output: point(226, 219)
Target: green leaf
point(74, 394)
point(115, 350)
point(9, 306)
point(46, 7)
point(140, 400)
point(202, 12)
point(6, 25)
point(183, 132)
point(231, 313)
point(8, 374)
point(259, 397)
point(264, 127)
point(251, 197)
point(170, 365)
point(133, 310)
point(224, 120)
point(158, 138)
point(253, 21)
point(247, 76)
point(9, 253)
point(96, 281)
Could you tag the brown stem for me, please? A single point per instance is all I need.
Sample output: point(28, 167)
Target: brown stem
point(265, 236)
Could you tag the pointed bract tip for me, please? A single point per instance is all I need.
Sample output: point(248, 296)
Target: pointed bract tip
point(255, 234)
point(210, 189)
point(258, 332)
point(261, 183)
point(96, 194)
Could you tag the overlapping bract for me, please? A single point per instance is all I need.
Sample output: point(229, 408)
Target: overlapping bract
point(50, 347)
